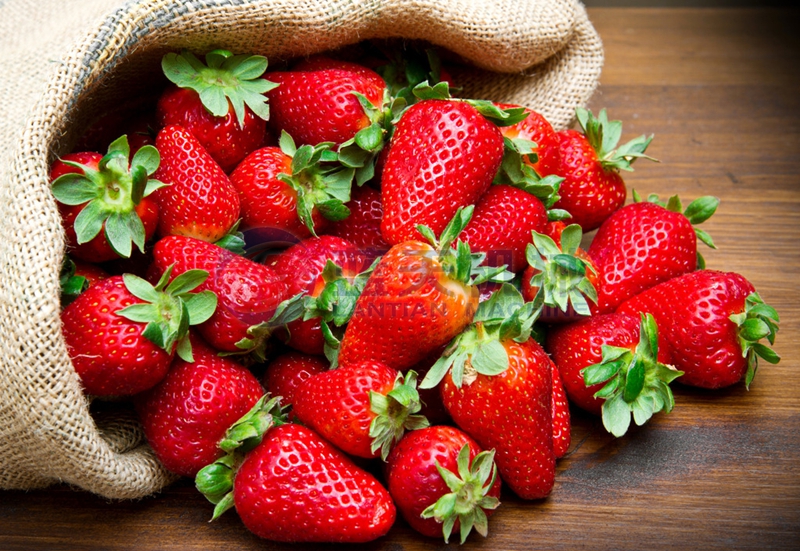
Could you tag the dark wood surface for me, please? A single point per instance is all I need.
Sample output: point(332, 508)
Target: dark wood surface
point(720, 90)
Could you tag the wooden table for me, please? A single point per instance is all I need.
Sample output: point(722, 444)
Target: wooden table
point(720, 90)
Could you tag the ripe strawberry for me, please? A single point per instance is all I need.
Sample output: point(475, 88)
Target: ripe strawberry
point(622, 352)
point(185, 416)
point(221, 102)
point(502, 224)
point(417, 299)
point(105, 201)
point(496, 383)
point(250, 294)
point(363, 226)
point(293, 486)
point(362, 408)
point(712, 323)
point(122, 333)
point(295, 190)
point(562, 426)
point(593, 188)
point(443, 156)
point(645, 243)
point(441, 481)
point(320, 105)
point(288, 371)
point(200, 200)
point(560, 277)
point(537, 129)
point(303, 266)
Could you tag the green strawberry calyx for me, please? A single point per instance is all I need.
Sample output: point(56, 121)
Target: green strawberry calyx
point(560, 275)
point(516, 170)
point(497, 115)
point(407, 67)
point(71, 284)
point(257, 340)
point(604, 135)
point(468, 498)
point(758, 321)
point(223, 81)
point(111, 194)
point(395, 413)
point(320, 179)
point(637, 383)
point(479, 348)
point(457, 260)
point(697, 212)
point(335, 304)
point(215, 481)
point(170, 308)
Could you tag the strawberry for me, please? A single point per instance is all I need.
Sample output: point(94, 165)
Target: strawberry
point(250, 294)
point(105, 201)
point(362, 408)
point(535, 128)
point(441, 481)
point(645, 243)
point(288, 371)
point(292, 485)
point(561, 276)
point(323, 105)
point(302, 265)
point(417, 299)
point(363, 227)
point(562, 426)
point(122, 333)
point(186, 415)
point(443, 156)
point(621, 351)
point(496, 383)
point(502, 224)
point(221, 102)
point(712, 323)
point(593, 188)
point(200, 201)
point(297, 190)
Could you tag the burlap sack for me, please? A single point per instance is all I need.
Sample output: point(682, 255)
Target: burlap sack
point(540, 53)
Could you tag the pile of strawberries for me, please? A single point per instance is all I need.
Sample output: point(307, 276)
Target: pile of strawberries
point(335, 292)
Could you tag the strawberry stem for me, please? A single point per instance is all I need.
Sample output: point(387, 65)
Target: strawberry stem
point(758, 321)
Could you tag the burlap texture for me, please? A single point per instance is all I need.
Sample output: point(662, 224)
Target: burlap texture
point(61, 63)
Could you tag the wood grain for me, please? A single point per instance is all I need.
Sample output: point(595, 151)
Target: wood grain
point(719, 89)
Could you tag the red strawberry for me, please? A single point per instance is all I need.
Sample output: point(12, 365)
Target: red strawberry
point(537, 129)
point(91, 272)
point(593, 188)
point(621, 351)
point(362, 408)
point(417, 299)
point(496, 383)
point(502, 224)
point(560, 276)
point(363, 226)
point(122, 333)
point(221, 103)
point(288, 371)
point(441, 481)
point(562, 433)
point(711, 322)
point(443, 156)
point(187, 414)
point(293, 486)
point(105, 201)
point(294, 190)
point(303, 266)
point(645, 243)
point(323, 63)
point(249, 293)
point(200, 200)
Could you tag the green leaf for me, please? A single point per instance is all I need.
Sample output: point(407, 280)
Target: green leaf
point(139, 312)
point(701, 209)
point(187, 281)
point(370, 138)
point(148, 158)
point(74, 189)
point(215, 101)
point(184, 350)
point(90, 221)
point(201, 306)
point(616, 415)
point(490, 358)
point(140, 288)
point(118, 234)
point(601, 372)
point(634, 380)
point(333, 209)
point(704, 237)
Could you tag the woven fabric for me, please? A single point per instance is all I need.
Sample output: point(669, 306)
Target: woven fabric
point(60, 64)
